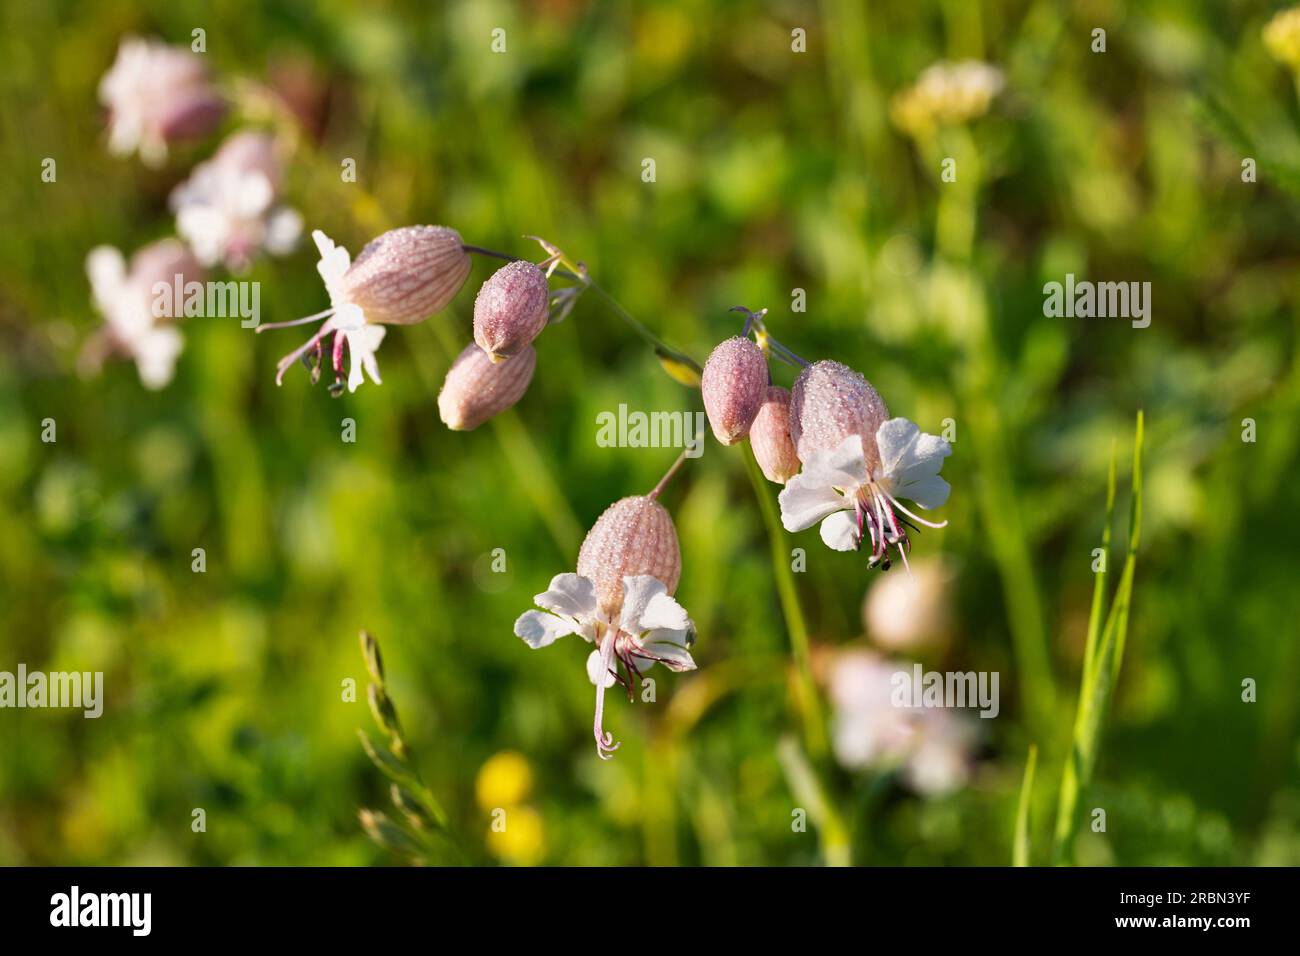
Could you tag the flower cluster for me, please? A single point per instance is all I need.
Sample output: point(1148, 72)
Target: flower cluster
point(844, 462)
point(227, 211)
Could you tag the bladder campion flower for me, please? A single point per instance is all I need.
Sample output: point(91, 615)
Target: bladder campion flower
point(156, 95)
point(857, 463)
point(401, 277)
point(125, 296)
point(227, 209)
point(931, 748)
point(621, 601)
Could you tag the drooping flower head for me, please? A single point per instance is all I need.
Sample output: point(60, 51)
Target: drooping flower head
point(734, 384)
point(476, 388)
point(857, 465)
point(621, 601)
point(227, 210)
point(124, 294)
point(156, 95)
point(511, 309)
point(400, 278)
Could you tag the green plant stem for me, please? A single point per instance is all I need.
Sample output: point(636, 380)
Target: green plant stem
point(810, 712)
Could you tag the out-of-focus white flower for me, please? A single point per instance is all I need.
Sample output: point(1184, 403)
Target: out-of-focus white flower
point(227, 210)
point(910, 612)
point(651, 627)
point(866, 728)
point(930, 747)
point(157, 94)
point(939, 760)
point(838, 488)
point(947, 93)
point(126, 298)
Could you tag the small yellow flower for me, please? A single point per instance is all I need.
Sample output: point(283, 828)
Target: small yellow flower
point(504, 781)
point(1282, 37)
point(517, 838)
point(946, 94)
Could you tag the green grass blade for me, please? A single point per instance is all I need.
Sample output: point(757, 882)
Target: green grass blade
point(1100, 674)
point(1020, 849)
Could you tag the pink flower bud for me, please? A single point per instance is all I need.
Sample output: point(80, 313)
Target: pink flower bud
point(734, 384)
point(634, 536)
point(477, 388)
point(405, 275)
point(829, 403)
point(511, 309)
point(770, 437)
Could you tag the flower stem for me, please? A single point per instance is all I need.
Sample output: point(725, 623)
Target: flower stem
point(815, 735)
point(668, 475)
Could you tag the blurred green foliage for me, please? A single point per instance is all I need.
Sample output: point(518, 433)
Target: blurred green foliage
point(775, 171)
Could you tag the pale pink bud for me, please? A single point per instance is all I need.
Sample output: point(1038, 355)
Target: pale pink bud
point(770, 437)
point(405, 275)
point(477, 388)
point(829, 403)
point(634, 536)
point(511, 309)
point(734, 385)
point(912, 612)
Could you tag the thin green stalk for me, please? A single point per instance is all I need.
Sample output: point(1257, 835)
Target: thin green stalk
point(1020, 849)
point(1100, 674)
point(809, 707)
point(809, 790)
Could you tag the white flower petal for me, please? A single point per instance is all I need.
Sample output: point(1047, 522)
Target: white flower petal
point(362, 343)
point(155, 356)
point(252, 195)
point(662, 612)
point(805, 501)
point(539, 629)
point(931, 492)
point(844, 466)
point(638, 591)
point(840, 531)
point(106, 269)
point(571, 595)
point(594, 670)
point(282, 231)
point(334, 260)
point(907, 453)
